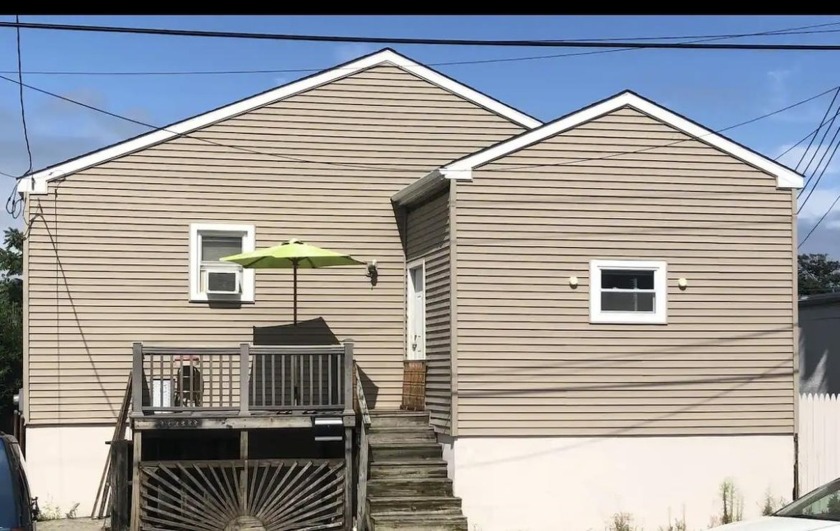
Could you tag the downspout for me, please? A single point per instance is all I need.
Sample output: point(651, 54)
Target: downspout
point(453, 307)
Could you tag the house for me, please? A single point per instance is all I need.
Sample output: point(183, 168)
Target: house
point(819, 344)
point(605, 303)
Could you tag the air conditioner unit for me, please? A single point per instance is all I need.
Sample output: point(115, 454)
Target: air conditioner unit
point(222, 281)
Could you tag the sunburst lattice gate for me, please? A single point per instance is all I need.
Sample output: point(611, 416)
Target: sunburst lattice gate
point(270, 494)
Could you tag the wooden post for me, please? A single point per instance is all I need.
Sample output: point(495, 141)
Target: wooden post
point(137, 378)
point(243, 476)
point(348, 377)
point(243, 379)
point(348, 477)
point(120, 497)
point(135, 481)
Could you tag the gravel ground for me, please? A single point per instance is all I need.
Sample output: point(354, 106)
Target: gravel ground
point(74, 524)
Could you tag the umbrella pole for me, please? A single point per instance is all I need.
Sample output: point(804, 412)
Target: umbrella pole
point(294, 288)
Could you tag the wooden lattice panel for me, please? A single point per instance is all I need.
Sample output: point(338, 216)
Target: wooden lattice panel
point(271, 494)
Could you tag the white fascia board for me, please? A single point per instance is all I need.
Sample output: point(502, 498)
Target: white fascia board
point(785, 177)
point(266, 98)
point(425, 185)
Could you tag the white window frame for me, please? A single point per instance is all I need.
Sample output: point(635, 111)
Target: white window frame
point(220, 229)
point(660, 286)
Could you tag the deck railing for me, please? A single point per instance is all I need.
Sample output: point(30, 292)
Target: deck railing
point(242, 379)
point(361, 516)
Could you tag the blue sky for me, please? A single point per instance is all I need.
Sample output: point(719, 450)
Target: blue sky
point(716, 88)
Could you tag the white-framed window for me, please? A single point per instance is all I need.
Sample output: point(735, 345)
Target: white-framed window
point(212, 279)
point(628, 291)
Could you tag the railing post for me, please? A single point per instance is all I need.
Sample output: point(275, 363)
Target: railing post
point(348, 377)
point(137, 378)
point(243, 379)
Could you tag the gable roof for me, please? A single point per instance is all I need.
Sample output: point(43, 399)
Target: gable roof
point(462, 168)
point(36, 182)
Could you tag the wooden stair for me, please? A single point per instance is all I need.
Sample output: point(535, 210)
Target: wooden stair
point(408, 487)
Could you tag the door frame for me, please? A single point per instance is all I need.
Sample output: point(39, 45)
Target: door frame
point(409, 299)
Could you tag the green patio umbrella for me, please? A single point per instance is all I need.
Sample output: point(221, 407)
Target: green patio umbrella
point(293, 254)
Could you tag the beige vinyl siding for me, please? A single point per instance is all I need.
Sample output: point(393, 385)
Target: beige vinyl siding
point(530, 362)
point(109, 255)
point(427, 238)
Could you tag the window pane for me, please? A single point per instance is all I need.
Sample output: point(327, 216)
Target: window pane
point(622, 301)
point(626, 279)
point(213, 248)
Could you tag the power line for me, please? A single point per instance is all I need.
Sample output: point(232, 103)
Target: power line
point(13, 205)
point(650, 148)
point(374, 166)
point(702, 38)
point(803, 139)
point(421, 41)
point(816, 132)
point(20, 95)
point(178, 135)
point(819, 148)
point(820, 176)
point(825, 215)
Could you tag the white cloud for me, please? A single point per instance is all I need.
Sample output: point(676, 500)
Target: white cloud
point(779, 96)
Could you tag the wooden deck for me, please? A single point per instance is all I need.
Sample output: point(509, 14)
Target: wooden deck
point(242, 387)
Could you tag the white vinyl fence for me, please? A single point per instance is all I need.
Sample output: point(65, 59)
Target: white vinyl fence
point(819, 440)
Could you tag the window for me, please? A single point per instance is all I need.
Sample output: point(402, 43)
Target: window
point(627, 292)
point(210, 277)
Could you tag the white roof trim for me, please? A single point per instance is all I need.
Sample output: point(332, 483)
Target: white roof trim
point(36, 183)
point(785, 177)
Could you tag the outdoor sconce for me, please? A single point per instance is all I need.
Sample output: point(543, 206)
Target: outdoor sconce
point(682, 283)
point(573, 281)
point(372, 272)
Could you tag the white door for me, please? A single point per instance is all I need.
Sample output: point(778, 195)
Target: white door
point(416, 313)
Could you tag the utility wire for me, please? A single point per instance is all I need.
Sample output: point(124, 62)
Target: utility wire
point(13, 204)
point(801, 140)
point(816, 132)
point(820, 176)
point(178, 135)
point(825, 215)
point(819, 147)
point(423, 41)
point(373, 166)
point(702, 38)
point(21, 98)
point(650, 148)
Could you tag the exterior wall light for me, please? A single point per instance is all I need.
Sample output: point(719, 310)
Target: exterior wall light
point(372, 272)
point(682, 283)
point(573, 281)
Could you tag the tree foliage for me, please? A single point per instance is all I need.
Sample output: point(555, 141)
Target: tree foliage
point(818, 274)
point(11, 320)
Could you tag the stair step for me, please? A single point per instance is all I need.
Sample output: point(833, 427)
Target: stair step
point(402, 433)
point(410, 504)
point(404, 450)
point(382, 418)
point(397, 486)
point(419, 521)
point(408, 468)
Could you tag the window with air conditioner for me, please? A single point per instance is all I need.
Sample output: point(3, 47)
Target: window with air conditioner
point(628, 291)
point(210, 277)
